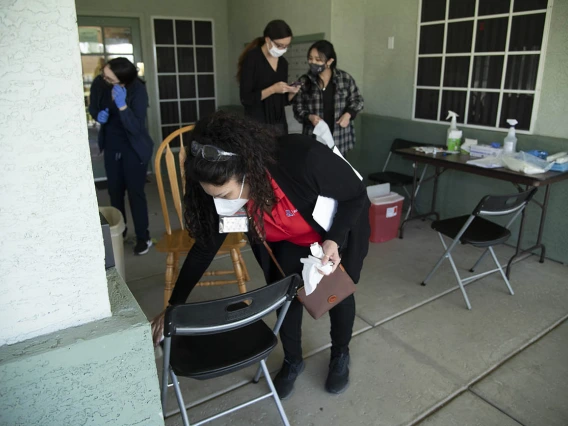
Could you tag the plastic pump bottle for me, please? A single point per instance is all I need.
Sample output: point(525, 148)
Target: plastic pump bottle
point(510, 141)
point(453, 140)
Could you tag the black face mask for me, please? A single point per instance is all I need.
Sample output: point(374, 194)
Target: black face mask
point(316, 69)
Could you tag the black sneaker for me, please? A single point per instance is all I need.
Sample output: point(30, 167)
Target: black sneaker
point(284, 380)
point(338, 376)
point(142, 247)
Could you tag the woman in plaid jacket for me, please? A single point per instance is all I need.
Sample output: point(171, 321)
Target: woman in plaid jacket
point(330, 94)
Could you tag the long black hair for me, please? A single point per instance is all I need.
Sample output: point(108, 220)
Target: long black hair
point(125, 71)
point(274, 30)
point(254, 145)
point(326, 51)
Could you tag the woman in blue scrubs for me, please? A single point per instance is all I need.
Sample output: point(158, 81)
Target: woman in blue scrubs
point(118, 102)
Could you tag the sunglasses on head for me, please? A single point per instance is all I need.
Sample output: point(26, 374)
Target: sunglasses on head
point(210, 152)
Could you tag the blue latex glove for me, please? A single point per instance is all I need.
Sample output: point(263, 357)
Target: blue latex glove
point(119, 95)
point(102, 117)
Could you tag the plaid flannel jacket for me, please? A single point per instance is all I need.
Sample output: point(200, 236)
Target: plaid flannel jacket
point(347, 99)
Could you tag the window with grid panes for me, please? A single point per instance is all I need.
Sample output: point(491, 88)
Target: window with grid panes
point(480, 59)
point(184, 55)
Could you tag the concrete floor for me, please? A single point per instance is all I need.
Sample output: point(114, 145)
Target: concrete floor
point(418, 355)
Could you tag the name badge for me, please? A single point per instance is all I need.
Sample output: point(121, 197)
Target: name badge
point(239, 222)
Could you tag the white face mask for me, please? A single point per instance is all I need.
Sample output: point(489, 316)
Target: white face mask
point(275, 52)
point(230, 207)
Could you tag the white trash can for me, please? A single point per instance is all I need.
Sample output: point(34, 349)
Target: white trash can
point(117, 226)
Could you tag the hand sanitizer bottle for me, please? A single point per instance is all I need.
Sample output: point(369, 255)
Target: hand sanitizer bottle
point(510, 141)
point(453, 139)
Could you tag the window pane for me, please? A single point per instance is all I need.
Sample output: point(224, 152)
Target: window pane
point(433, 10)
point(453, 101)
point(493, 7)
point(426, 104)
point(168, 130)
point(456, 71)
point(129, 57)
point(188, 111)
point(206, 108)
point(118, 40)
point(166, 59)
point(203, 33)
point(526, 32)
point(90, 40)
point(164, 31)
point(519, 107)
point(204, 59)
point(429, 70)
point(187, 86)
point(185, 59)
point(487, 72)
point(431, 39)
point(483, 108)
point(169, 112)
point(184, 32)
point(167, 86)
point(461, 8)
point(491, 35)
point(459, 37)
point(524, 5)
point(206, 86)
point(92, 67)
point(522, 71)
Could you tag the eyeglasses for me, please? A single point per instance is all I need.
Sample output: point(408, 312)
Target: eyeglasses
point(210, 152)
point(279, 45)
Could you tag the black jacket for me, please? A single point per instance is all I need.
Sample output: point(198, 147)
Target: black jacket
point(304, 170)
point(124, 128)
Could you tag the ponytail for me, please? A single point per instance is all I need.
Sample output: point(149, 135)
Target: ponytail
point(259, 41)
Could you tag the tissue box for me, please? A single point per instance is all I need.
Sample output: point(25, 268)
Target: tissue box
point(485, 151)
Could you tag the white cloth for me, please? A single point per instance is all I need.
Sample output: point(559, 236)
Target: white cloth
point(323, 134)
point(312, 266)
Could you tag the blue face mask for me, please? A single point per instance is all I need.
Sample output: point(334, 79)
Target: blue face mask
point(317, 69)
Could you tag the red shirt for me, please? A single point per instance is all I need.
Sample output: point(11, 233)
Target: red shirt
point(286, 223)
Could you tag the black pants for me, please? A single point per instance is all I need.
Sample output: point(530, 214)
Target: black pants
point(125, 173)
point(342, 316)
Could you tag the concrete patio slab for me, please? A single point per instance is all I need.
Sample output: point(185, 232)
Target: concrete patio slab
point(469, 410)
point(533, 386)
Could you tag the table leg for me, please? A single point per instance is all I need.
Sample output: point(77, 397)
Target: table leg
point(521, 253)
point(412, 200)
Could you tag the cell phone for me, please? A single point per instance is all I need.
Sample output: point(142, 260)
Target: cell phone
point(296, 84)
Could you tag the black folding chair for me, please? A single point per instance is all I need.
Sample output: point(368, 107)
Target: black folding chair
point(213, 338)
point(396, 178)
point(480, 232)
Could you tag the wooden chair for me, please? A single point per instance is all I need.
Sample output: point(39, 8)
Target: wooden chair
point(177, 241)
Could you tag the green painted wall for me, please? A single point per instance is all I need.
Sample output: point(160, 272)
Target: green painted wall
point(144, 10)
point(348, 36)
point(459, 192)
point(100, 373)
point(249, 17)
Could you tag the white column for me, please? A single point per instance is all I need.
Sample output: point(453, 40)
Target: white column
point(51, 251)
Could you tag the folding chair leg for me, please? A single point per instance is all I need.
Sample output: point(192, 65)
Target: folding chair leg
point(274, 393)
point(462, 288)
point(501, 270)
point(445, 255)
point(479, 260)
point(179, 397)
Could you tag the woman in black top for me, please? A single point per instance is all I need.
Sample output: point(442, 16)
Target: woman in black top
point(263, 75)
point(236, 162)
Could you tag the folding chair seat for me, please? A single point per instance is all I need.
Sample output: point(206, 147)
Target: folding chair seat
point(395, 178)
point(210, 339)
point(480, 232)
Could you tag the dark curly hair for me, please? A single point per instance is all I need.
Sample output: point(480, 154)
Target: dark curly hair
point(254, 145)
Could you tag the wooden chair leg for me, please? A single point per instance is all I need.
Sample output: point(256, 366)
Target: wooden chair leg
point(245, 270)
point(238, 271)
point(169, 281)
